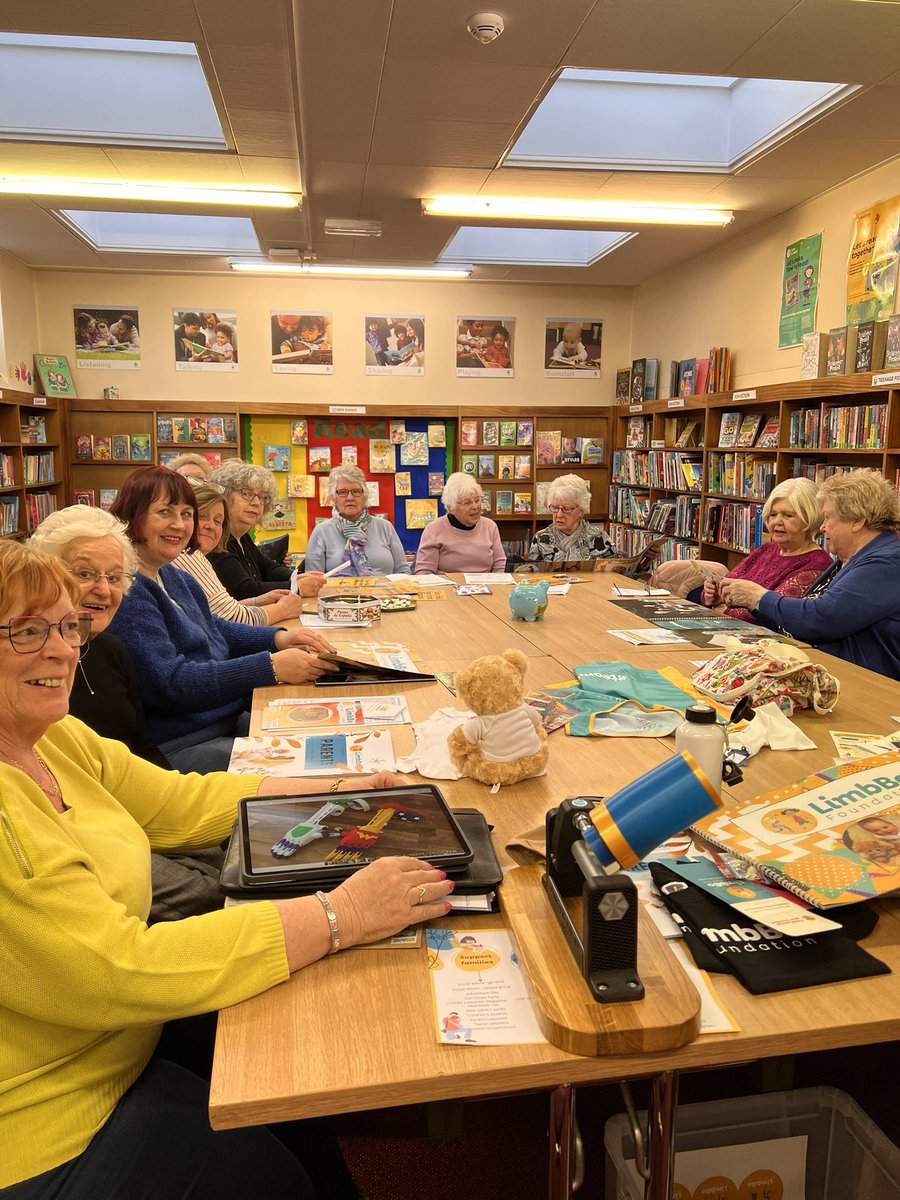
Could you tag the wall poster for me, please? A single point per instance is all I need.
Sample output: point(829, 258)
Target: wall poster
point(799, 290)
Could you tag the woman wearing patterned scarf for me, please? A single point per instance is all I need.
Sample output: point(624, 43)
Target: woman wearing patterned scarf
point(368, 545)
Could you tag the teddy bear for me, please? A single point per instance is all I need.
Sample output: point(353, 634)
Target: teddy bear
point(505, 741)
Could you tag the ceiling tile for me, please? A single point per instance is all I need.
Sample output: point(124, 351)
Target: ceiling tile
point(484, 91)
point(455, 143)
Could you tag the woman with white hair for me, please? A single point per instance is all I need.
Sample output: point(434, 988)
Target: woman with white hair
point(463, 540)
point(368, 545)
point(570, 537)
point(191, 466)
point(245, 571)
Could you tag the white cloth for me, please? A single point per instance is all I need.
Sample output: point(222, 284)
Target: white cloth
point(770, 727)
point(431, 758)
point(505, 737)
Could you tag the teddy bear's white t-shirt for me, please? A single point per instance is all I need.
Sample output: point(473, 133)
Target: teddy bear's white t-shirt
point(505, 737)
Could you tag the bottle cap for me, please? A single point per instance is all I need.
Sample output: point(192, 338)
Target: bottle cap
point(700, 714)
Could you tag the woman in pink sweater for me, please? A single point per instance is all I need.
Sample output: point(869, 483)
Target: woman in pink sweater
point(464, 540)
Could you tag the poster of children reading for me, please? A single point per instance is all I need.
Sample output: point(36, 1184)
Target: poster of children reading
point(205, 341)
point(395, 345)
point(484, 347)
point(301, 343)
point(107, 339)
point(572, 347)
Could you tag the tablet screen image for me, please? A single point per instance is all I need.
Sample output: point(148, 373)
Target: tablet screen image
point(338, 832)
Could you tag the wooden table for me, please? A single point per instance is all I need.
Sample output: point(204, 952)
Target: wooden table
point(275, 1054)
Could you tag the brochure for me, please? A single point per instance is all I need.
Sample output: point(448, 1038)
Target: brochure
point(361, 753)
point(832, 838)
point(295, 715)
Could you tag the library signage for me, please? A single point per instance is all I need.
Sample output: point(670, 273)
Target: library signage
point(675, 402)
point(747, 394)
point(886, 379)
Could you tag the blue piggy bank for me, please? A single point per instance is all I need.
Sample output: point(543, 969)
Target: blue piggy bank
point(528, 601)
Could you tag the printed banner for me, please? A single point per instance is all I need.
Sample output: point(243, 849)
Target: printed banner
point(799, 290)
point(107, 339)
point(572, 347)
point(872, 262)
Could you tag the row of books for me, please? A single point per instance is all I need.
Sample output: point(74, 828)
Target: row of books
point(115, 447)
point(38, 468)
point(633, 541)
point(845, 427)
point(735, 474)
point(744, 430)
point(676, 470)
point(687, 517)
point(9, 515)
point(197, 429)
point(638, 433)
point(104, 497)
point(496, 466)
point(680, 432)
point(553, 449)
point(7, 474)
point(515, 547)
point(738, 526)
point(33, 430)
point(496, 433)
point(507, 504)
point(629, 505)
point(818, 472)
point(851, 349)
point(38, 505)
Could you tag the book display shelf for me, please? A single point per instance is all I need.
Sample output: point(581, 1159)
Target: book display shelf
point(746, 442)
point(106, 445)
point(31, 462)
point(515, 454)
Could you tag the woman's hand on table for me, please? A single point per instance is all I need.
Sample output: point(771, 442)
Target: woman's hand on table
point(741, 593)
point(286, 608)
point(286, 639)
point(386, 896)
point(294, 665)
point(268, 598)
point(311, 583)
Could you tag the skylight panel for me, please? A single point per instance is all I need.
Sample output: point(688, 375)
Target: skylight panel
point(105, 91)
point(502, 246)
point(628, 120)
point(162, 233)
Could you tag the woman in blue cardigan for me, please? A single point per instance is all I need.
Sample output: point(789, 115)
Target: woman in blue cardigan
point(853, 609)
point(195, 672)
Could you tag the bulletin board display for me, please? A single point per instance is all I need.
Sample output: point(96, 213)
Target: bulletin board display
point(405, 461)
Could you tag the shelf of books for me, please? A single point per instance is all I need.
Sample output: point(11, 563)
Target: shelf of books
point(515, 456)
point(734, 449)
point(108, 444)
point(31, 467)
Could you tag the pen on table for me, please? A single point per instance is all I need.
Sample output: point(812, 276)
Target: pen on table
point(335, 570)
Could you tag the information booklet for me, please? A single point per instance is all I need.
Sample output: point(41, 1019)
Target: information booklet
point(362, 753)
point(373, 662)
point(832, 838)
point(295, 715)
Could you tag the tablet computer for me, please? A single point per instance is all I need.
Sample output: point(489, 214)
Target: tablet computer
point(322, 839)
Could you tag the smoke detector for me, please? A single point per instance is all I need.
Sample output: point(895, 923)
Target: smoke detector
point(485, 27)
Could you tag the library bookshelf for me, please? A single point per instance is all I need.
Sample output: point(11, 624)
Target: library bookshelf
point(824, 426)
point(32, 466)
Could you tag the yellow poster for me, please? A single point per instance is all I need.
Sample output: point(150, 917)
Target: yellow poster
point(872, 262)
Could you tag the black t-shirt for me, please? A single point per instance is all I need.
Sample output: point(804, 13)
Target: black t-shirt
point(245, 571)
point(105, 696)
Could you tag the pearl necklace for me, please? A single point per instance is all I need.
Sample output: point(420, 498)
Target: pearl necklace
point(51, 789)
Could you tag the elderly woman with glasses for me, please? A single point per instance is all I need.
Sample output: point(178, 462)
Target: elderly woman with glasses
point(570, 537)
point(213, 533)
point(191, 466)
point(246, 572)
point(463, 540)
point(86, 986)
point(196, 673)
point(363, 545)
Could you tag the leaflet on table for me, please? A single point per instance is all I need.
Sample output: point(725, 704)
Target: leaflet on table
point(628, 593)
point(295, 715)
point(490, 577)
point(480, 992)
point(755, 901)
point(649, 636)
point(392, 656)
point(863, 745)
point(473, 589)
point(831, 838)
point(559, 589)
point(361, 753)
point(423, 581)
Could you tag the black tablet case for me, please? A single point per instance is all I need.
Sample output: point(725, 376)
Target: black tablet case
point(482, 874)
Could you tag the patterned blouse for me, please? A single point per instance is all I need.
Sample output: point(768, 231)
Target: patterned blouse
point(588, 541)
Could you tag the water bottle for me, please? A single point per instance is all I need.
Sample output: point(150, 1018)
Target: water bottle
point(702, 738)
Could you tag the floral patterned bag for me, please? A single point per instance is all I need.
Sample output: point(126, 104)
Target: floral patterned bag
point(767, 671)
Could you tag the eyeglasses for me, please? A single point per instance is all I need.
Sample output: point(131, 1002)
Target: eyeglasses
point(565, 509)
point(119, 580)
point(345, 492)
point(248, 495)
point(29, 634)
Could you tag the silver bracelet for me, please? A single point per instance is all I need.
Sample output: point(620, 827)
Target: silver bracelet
point(333, 927)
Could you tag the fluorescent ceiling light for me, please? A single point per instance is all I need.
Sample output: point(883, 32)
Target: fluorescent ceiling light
point(348, 227)
point(514, 208)
point(281, 268)
point(153, 193)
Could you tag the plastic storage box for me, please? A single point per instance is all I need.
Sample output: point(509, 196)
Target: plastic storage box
point(847, 1158)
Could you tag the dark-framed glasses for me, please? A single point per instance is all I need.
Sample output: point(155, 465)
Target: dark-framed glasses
point(345, 492)
point(248, 494)
point(565, 509)
point(29, 634)
point(119, 581)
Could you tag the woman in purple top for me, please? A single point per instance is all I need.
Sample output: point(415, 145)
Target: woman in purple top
point(790, 561)
point(464, 540)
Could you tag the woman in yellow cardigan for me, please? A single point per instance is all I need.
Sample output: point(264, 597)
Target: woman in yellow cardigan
point(85, 985)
